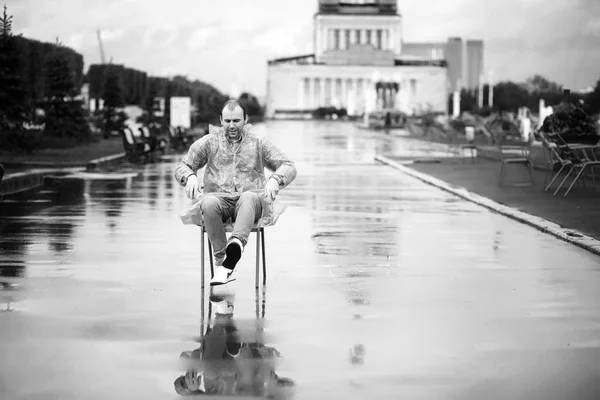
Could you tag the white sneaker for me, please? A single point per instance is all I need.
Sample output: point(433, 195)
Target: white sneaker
point(233, 253)
point(222, 276)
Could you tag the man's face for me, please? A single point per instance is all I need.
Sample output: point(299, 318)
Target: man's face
point(233, 122)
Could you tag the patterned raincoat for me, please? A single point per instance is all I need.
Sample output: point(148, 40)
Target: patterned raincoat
point(233, 168)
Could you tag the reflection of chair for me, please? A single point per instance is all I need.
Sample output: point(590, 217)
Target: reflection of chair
point(1, 177)
point(260, 245)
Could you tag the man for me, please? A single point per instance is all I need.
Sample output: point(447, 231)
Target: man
point(234, 182)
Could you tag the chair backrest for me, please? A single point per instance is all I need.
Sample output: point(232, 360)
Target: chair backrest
point(553, 151)
point(563, 149)
point(145, 132)
point(128, 135)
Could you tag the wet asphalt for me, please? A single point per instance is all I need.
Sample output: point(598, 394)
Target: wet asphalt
point(378, 286)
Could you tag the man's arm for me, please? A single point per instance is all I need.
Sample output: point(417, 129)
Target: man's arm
point(195, 159)
point(278, 162)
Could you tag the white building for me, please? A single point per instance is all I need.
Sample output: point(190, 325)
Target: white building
point(357, 64)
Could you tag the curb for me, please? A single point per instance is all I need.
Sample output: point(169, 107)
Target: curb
point(568, 235)
point(104, 161)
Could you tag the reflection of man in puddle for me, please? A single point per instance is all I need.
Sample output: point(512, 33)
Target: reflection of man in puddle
point(234, 183)
point(225, 365)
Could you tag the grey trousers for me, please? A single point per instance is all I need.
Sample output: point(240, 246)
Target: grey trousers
point(244, 210)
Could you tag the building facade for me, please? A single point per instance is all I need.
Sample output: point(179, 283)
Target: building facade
point(464, 60)
point(357, 64)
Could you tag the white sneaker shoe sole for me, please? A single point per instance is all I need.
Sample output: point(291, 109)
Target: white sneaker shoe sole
point(222, 276)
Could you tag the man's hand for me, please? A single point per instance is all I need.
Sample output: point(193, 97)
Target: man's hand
point(271, 189)
point(191, 188)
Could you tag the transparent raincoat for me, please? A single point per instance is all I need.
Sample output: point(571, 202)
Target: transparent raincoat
point(232, 169)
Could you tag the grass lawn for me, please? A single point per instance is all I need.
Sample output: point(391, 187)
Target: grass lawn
point(67, 157)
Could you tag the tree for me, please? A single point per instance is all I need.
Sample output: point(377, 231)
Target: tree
point(593, 100)
point(509, 96)
point(113, 118)
point(65, 117)
point(13, 92)
point(253, 107)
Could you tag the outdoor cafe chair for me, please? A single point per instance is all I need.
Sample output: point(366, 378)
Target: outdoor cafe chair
point(553, 158)
point(134, 148)
point(577, 161)
point(513, 154)
point(457, 147)
point(259, 230)
point(155, 142)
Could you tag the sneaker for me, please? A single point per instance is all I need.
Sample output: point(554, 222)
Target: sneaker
point(222, 276)
point(233, 253)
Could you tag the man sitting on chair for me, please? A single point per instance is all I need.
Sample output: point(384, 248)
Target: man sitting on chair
point(234, 181)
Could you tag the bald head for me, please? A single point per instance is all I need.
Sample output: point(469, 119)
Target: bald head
point(233, 119)
point(231, 105)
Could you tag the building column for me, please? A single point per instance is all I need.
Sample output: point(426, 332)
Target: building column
point(353, 36)
point(300, 97)
point(384, 39)
point(322, 92)
point(344, 94)
point(332, 91)
point(391, 40)
point(363, 36)
point(311, 92)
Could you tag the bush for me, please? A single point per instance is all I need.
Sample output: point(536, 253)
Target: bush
point(28, 140)
point(324, 112)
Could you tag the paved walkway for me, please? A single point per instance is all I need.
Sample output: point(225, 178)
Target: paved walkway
point(379, 286)
point(580, 210)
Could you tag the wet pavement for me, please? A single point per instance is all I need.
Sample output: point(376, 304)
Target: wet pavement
point(378, 285)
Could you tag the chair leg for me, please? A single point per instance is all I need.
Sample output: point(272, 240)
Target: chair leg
point(563, 181)
point(210, 257)
point(257, 258)
point(530, 169)
point(202, 256)
point(501, 174)
point(555, 176)
point(575, 180)
point(264, 256)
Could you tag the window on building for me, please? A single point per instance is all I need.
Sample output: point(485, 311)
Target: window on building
point(379, 38)
point(358, 36)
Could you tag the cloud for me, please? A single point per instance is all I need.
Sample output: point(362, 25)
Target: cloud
point(221, 41)
point(200, 37)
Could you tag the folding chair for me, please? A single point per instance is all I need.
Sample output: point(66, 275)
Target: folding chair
point(259, 230)
point(513, 155)
point(577, 161)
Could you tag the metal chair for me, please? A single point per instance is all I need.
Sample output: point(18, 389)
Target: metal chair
point(577, 161)
point(259, 230)
point(513, 155)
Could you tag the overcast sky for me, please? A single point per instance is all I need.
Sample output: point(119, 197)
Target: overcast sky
point(230, 40)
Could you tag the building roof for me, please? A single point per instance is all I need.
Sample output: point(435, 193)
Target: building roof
point(363, 7)
point(409, 61)
point(305, 59)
